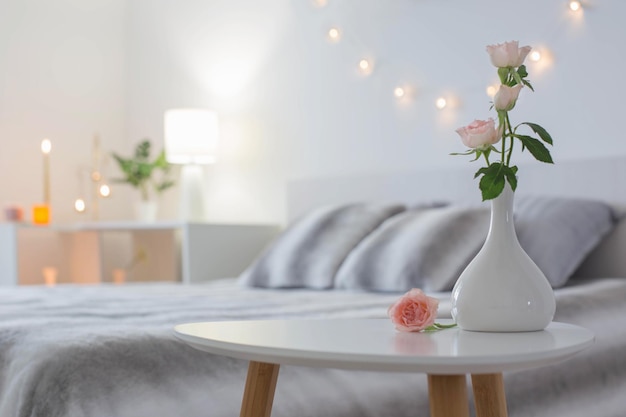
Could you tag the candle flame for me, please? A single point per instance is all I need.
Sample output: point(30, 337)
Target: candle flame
point(46, 146)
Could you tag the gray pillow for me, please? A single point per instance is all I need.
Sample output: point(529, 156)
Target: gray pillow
point(309, 252)
point(422, 248)
point(559, 233)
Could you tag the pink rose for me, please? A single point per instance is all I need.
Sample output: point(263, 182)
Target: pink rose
point(414, 311)
point(479, 133)
point(506, 97)
point(507, 54)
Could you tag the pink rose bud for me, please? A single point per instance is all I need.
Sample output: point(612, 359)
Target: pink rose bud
point(479, 134)
point(507, 54)
point(414, 311)
point(506, 97)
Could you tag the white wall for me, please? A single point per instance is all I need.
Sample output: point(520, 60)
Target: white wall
point(293, 106)
point(291, 103)
point(62, 76)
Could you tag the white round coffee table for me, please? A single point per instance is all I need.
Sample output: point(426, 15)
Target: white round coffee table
point(374, 345)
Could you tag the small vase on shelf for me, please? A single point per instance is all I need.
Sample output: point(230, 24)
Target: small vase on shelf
point(502, 289)
point(146, 210)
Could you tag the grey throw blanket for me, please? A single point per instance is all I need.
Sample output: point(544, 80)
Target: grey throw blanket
point(110, 351)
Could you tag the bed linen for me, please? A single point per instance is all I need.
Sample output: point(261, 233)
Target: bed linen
point(71, 351)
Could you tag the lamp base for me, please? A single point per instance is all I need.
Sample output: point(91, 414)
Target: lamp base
point(192, 201)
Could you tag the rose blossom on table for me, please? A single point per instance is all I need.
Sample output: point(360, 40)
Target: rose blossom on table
point(414, 311)
point(479, 133)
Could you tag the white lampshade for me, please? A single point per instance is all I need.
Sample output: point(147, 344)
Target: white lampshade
point(191, 136)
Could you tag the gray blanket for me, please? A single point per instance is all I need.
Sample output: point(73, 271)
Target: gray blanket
point(110, 351)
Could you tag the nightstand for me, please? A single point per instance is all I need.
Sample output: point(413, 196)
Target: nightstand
point(166, 251)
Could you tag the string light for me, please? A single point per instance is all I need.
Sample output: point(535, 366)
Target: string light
point(535, 56)
point(104, 190)
point(334, 35)
point(541, 59)
point(79, 205)
point(574, 5)
point(365, 66)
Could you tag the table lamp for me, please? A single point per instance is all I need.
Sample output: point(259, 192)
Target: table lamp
point(191, 137)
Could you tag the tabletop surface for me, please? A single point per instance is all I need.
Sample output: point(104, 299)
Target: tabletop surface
point(374, 344)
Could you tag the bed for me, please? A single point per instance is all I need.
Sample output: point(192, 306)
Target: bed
point(110, 350)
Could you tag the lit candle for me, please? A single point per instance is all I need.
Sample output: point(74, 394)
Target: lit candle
point(46, 147)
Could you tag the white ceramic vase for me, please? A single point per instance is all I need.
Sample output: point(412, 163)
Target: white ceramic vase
point(502, 289)
point(146, 210)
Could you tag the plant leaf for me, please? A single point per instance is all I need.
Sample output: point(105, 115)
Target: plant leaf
point(142, 151)
point(529, 85)
point(536, 148)
point(468, 152)
point(543, 133)
point(492, 182)
point(481, 171)
point(522, 71)
point(510, 172)
point(438, 326)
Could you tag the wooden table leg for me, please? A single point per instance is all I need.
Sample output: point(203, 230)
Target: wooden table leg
point(258, 395)
point(448, 396)
point(489, 395)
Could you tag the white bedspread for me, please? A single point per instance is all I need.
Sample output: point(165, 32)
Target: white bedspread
point(110, 351)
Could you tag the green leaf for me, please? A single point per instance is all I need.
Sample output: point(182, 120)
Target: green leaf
point(142, 151)
point(164, 186)
point(438, 326)
point(481, 171)
point(492, 182)
point(469, 152)
point(139, 170)
point(543, 133)
point(529, 85)
point(522, 71)
point(444, 326)
point(510, 172)
point(161, 161)
point(536, 148)
point(502, 117)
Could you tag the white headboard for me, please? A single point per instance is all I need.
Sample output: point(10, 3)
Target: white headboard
point(598, 178)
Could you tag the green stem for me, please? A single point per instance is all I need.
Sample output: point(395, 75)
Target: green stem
point(503, 142)
point(511, 135)
point(144, 191)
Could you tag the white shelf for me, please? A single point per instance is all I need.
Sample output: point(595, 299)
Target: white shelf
point(176, 251)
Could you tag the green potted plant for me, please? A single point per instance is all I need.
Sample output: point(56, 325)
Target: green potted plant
point(150, 177)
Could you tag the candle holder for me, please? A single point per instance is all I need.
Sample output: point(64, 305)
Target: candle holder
point(41, 214)
point(14, 213)
point(50, 274)
point(98, 188)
